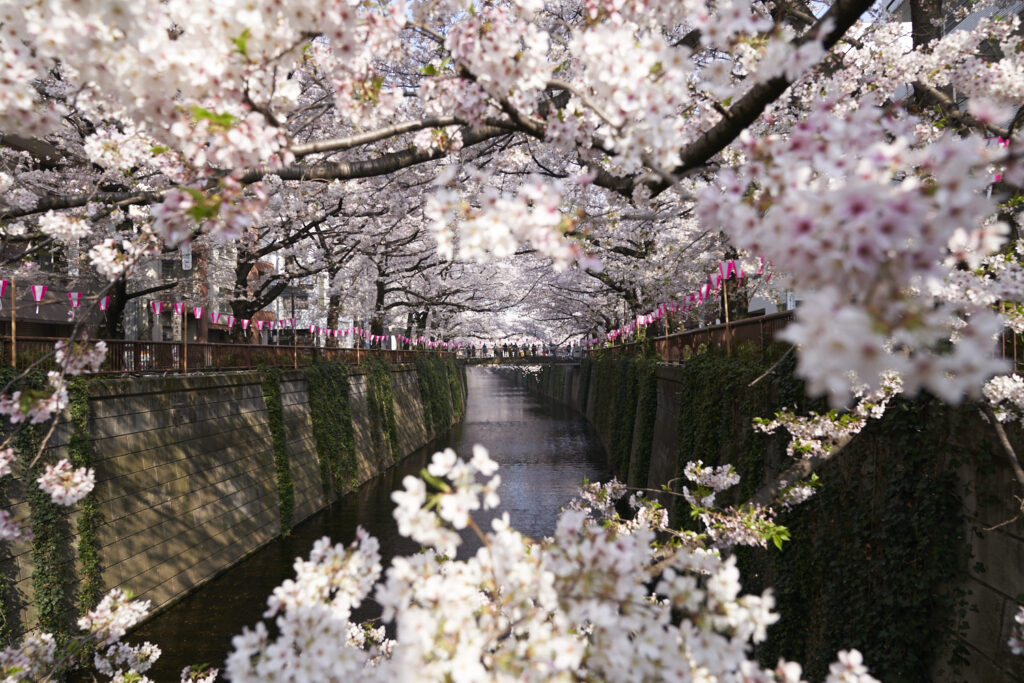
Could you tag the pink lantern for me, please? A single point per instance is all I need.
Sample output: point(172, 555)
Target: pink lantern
point(3, 290)
point(104, 302)
point(231, 322)
point(259, 325)
point(245, 324)
point(197, 311)
point(76, 300)
point(179, 307)
point(214, 317)
point(157, 307)
point(38, 292)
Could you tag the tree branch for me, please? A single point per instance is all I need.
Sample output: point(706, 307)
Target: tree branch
point(351, 141)
point(746, 111)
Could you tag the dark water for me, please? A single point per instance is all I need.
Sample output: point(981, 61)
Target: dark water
point(543, 448)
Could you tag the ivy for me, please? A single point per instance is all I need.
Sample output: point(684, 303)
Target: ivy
point(271, 380)
point(586, 369)
point(435, 394)
point(874, 551)
point(456, 379)
point(382, 404)
point(871, 555)
point(332, 425)
point(52, 566)
point(90, 516)
point(646, 413)
point(874, 556)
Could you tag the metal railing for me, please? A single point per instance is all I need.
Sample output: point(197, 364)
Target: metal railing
point(129, 356)
point(760, 330)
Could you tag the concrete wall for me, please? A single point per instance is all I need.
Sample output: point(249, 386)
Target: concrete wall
point(993, 586)
point(186, 478)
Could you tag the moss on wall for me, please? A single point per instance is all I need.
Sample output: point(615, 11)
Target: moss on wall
point(382, 404)
point(53, 574)
point(435, 394)
point(331, 415)
point(90, 516)
point(271, 380)
point(873, 555)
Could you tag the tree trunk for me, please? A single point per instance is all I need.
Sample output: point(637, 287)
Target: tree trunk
point(377, 322)
point(113, 317)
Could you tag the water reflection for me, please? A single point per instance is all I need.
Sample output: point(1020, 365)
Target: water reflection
point(544, 450)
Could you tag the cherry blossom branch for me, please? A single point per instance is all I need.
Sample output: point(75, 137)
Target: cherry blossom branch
point(1004, 441)
point(798, 471)
point(950, 109)
point(79, 200)
point(351, 141)
point(368, 168)
point(842, 15)
point(583, 97)
point(774, 366)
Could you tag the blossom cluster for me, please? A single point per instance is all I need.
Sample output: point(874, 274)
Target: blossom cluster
point(65, 484)
point(533, 215)
point(1017, 637)
point(864, 215)
point(121, 659)
point(577, 605)
point(818, 435)
point(36, 405)
point(79, 357)
point(110, 620)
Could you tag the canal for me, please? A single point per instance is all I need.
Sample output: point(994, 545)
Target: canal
point(545, 450)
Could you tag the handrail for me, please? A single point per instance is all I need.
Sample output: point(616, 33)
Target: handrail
point(760, 329)
point(136, 356)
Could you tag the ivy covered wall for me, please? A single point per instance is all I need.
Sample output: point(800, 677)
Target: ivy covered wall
point(881, 558)
point(194, 473)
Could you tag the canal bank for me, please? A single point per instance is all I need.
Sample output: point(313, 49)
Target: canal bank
point(195, 473)
point(912, 550)
point(544, 451)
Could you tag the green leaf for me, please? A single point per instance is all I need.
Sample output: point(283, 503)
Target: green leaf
point(437, 483)
point(241, 41)
point(222, 119)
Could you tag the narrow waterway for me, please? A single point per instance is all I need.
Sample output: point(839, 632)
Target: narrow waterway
point(544, 449)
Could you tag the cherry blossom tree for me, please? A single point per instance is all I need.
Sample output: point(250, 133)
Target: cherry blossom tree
point(625, 145)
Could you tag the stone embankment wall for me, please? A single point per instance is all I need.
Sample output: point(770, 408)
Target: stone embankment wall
point(912, 551)
point(194, 473)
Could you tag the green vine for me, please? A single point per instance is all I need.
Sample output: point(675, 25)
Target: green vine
point(871, 555)
point(435, 394)
point(90, 516)
point(332, 425)
point(455, 384)
point(271, 379)
point(624, 416)
point(646, 412)
point(875, 556)
point(52, 566)
point(586, 369)
point(382, 404)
